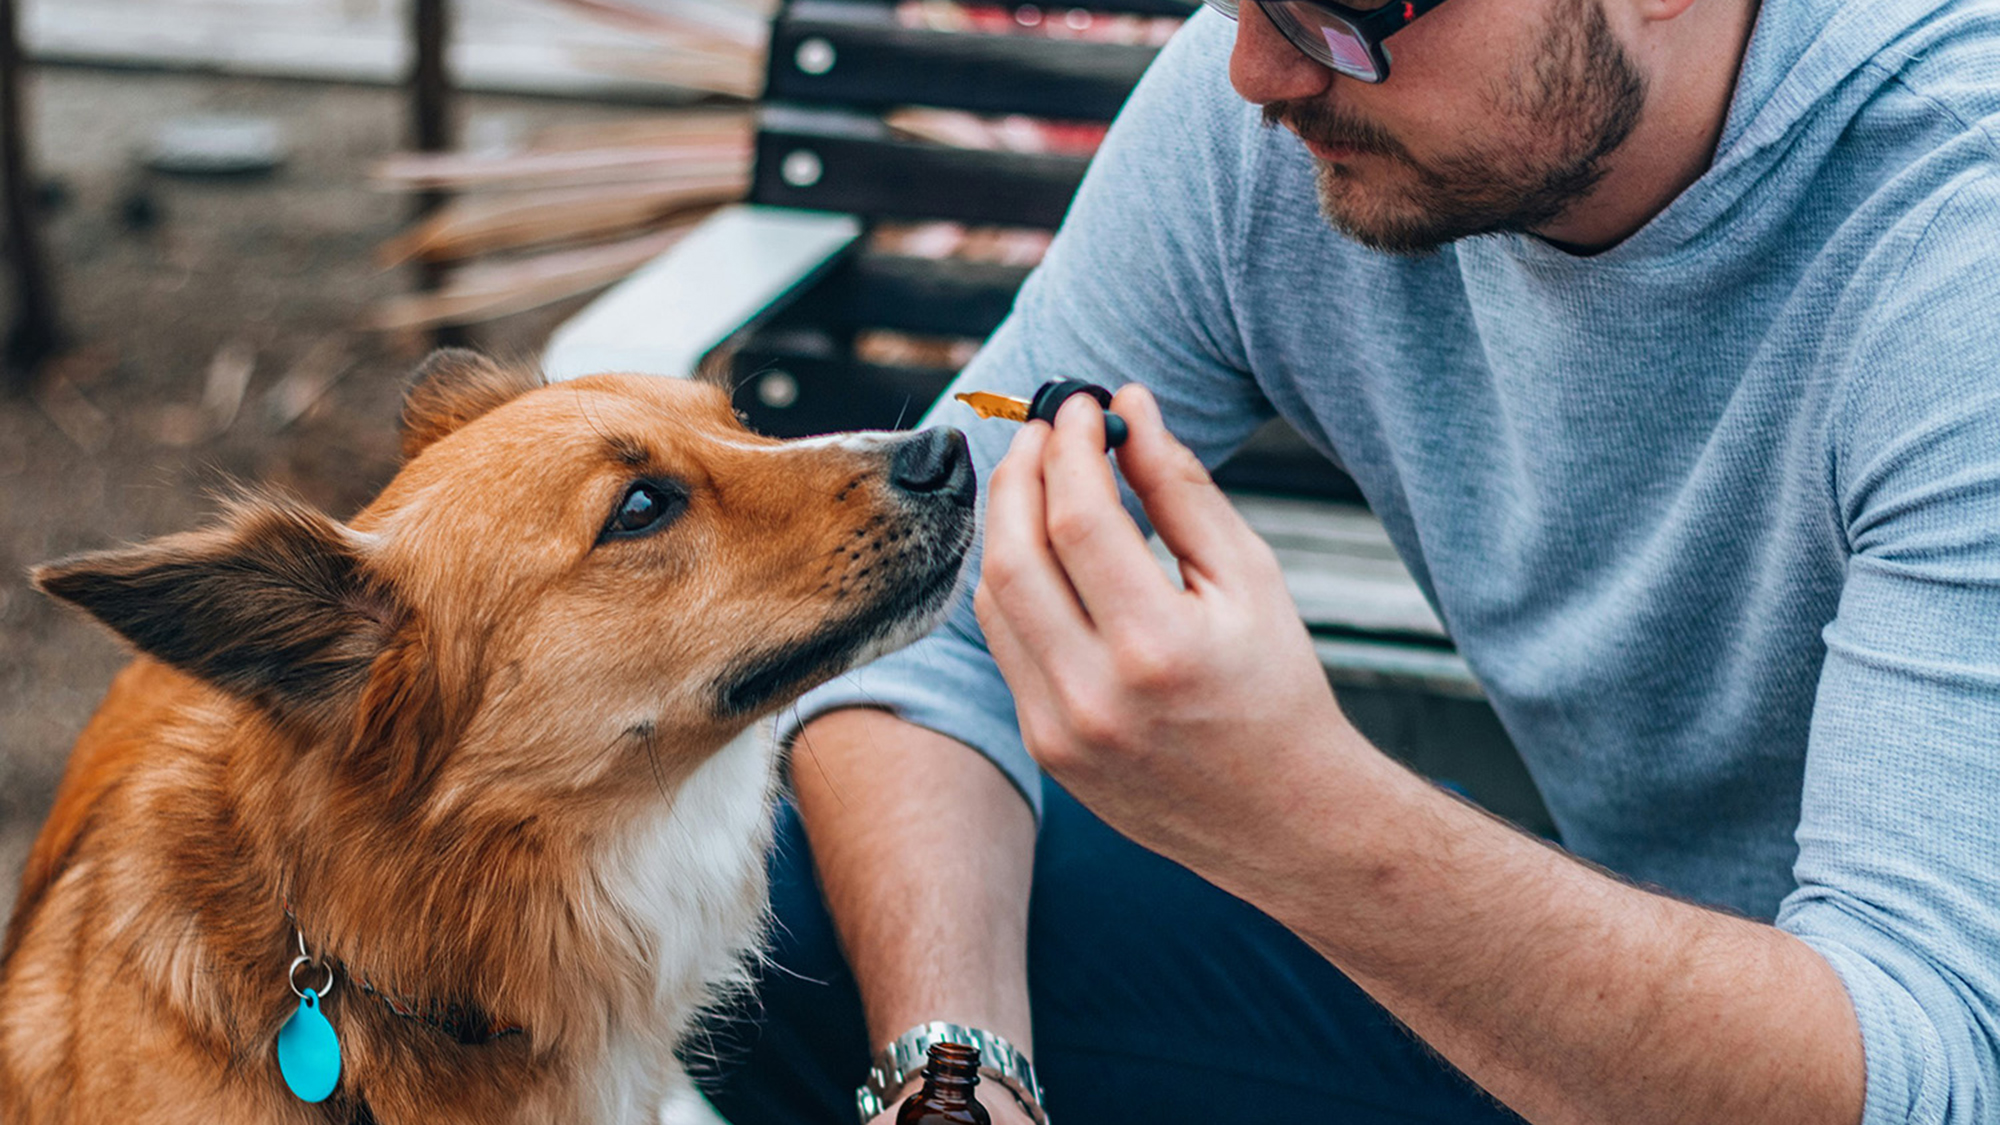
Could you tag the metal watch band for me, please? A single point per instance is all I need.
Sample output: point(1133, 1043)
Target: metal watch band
point(903, 1058)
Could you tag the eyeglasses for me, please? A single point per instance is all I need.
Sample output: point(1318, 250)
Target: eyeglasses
point(1346, 38)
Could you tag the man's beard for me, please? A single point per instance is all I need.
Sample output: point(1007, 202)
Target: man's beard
point(1574, 106)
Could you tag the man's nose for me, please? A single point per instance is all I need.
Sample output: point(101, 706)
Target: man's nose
point(1265, 67)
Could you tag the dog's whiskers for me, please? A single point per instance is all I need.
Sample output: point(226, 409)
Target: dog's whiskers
point(648, 735)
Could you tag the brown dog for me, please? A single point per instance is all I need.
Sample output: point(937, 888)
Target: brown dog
point(472, 750)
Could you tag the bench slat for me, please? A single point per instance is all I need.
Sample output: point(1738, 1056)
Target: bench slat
point(878, 63)
point(925, 296)
point(830, 160)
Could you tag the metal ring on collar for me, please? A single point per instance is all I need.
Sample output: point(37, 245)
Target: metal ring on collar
point(292, 977)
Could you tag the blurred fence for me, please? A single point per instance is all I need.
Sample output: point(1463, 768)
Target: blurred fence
point(586, 47)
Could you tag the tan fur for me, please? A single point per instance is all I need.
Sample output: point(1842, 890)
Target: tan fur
point(443, 734)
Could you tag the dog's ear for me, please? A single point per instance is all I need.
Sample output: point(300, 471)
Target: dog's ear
point(274, 604)
point(453, 387)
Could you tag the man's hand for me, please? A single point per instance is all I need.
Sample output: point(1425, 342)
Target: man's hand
point(1198, 723)
point(1174, 714)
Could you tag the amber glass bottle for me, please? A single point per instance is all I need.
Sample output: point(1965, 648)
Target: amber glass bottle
point(946, 1099)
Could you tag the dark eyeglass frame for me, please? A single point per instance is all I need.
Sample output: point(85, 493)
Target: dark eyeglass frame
point(1370, 28)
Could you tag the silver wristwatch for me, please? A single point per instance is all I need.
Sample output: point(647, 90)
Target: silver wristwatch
point(895, 1064)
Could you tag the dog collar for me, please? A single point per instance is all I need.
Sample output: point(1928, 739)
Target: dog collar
point(468, 1024)
point(465, 1023)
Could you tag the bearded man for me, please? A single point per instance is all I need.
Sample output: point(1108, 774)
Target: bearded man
point(1664, 338)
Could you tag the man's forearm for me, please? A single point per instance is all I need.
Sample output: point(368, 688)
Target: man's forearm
point(1570, 995)
point(925, 854)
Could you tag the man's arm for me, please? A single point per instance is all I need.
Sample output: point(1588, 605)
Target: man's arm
point(1197, 722)
point(1571, 996)
point(924, 852)
point(1125, 291)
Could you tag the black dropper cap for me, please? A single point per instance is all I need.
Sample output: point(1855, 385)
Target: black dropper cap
point(1053, 394)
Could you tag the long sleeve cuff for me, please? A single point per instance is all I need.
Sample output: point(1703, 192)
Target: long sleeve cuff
point(1916, 1074)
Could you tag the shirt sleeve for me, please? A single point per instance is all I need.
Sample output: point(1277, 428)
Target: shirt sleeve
point(1135, 288)
point(1899, 837)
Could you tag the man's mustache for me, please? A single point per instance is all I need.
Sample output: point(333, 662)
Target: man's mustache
point(1330, 127)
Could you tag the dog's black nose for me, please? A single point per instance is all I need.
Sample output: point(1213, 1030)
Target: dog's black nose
point(933, 461)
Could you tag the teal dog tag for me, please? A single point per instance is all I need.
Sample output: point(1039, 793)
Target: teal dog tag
point(309, 1051)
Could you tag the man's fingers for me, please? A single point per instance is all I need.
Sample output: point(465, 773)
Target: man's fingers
point(1194, 519)
point(1018, 571)
point(1023, 675)
point(1098, 545)
point(1038, 706)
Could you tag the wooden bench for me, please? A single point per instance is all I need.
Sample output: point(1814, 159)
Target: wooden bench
point(789, 287)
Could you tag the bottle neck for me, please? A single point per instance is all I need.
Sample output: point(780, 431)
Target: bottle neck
point(950, 1074)
point(948, 1090)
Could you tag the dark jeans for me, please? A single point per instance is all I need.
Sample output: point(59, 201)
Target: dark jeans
point(1158, 1000)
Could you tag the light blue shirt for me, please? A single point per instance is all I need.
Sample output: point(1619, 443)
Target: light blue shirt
point(1714, 515)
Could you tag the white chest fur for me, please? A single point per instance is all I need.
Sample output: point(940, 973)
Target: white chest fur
point(687, 887)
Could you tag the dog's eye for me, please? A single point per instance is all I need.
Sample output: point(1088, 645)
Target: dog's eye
point(644, 507)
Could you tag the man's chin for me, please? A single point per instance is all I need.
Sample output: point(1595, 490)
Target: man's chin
point(1376, 215)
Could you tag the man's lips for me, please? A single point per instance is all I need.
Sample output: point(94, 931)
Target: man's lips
point(1332, 153)
point(1334, 144)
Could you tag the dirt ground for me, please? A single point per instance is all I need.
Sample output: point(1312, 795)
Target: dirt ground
point(131, 434)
